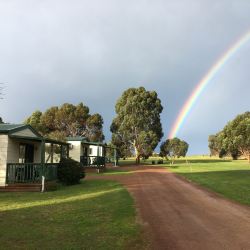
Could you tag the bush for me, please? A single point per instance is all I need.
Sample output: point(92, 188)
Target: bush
point(153, 162)
point(160, 162)
point(70, 172)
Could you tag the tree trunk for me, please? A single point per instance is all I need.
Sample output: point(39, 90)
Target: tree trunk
point(137, 155)
point(172, 160)
point(138, 159)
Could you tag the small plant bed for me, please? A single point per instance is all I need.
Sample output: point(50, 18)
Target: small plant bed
point(96, 214)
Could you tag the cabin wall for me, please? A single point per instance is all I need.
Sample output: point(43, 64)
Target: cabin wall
point(94, 150)
point(75, 150)
point(37, 152)
point(13, 150)
point(3, 158)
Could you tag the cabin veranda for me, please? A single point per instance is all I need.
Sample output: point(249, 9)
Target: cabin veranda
point(26, 157)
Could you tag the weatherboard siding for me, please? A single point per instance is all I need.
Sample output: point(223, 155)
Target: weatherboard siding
point(4, 140)
point(13, 151)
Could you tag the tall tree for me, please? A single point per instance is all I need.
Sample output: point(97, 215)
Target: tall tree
point(213, 145)
point(235, 137)
point(174, 148)
point(124, 149)
point(137, 124)
point(94, 128)
point(35, 121)
point(68, 120)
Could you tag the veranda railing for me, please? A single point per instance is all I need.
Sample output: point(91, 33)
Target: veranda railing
point(30, 172)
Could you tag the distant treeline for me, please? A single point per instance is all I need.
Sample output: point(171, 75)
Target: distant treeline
point(233, 139)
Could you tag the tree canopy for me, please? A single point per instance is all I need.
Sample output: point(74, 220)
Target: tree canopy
point(234, 138)
point(68, 120)
point(174, 148)
point(137, 126)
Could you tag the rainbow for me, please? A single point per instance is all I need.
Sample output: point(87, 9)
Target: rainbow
point(185, 110)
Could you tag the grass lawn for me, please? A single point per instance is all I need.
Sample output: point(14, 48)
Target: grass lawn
point(93, 215)
point(229, 178)
point(127, 161)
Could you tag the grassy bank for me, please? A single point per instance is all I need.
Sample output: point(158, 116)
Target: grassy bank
point(229, 178)
point(92, 215)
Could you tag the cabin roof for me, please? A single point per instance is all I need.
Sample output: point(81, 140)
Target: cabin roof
point(76, 138)
point(10, 129)
point(4, 128)
point(84, 140)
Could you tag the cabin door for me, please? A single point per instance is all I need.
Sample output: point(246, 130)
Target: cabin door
point(29, 153)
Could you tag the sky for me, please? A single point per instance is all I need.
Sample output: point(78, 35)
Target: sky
point(58, 51)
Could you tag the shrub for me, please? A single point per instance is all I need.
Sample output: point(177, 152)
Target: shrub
point(70, 172)
point(153, 162)
point(160, 162)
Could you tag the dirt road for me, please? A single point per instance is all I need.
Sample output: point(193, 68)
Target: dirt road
point(180, 215)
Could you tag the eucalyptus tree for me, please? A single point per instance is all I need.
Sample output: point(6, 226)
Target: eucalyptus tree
point(35, 121)
point(213, 145)
point(235, 136)
point(174, 148)
point(68, 120)
point(137, 124)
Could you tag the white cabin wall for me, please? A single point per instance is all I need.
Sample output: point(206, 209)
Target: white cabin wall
point(37, 152)
point(13, 151)
point(95, 150)
point(4, 140)
point(76, 151)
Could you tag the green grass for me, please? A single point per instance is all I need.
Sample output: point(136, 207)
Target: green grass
point(96, 214)
point(228, 178)
point(127, 161)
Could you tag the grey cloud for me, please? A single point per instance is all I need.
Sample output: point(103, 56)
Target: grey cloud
point(59, 51)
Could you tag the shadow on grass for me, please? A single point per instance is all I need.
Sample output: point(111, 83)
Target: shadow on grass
point(84, 189)
point(183, 161)
point(207, 161)
point(126, 162)
point(102, 221)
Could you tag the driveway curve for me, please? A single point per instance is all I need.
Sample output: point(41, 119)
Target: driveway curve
point(180, 215)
